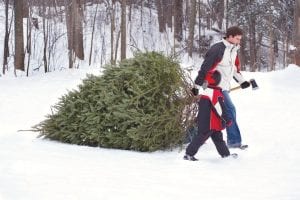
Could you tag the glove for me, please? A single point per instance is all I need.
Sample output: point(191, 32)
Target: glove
point(195, 91)
point(226, 122)
point(245, 84)
point(199, 89)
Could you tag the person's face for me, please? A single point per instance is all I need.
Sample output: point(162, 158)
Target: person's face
point(236, 40)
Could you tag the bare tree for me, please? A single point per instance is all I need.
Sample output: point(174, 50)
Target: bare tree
point(93, 32)
point(192, 22)
point(123, 30)
point(112, 31)
point(19, 38)
point(74, 17)
point(271, 66)
point(252, 43)
point(77, 13)
point(168, 12)
point(45, 38)
point(178, 20)
point(297, 32)
point(161, 22)
point(29, 29)
point(6, 38)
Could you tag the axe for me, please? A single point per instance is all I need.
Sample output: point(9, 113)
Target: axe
point(252, 83)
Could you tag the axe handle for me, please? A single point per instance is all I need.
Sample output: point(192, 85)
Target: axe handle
point(235, 88)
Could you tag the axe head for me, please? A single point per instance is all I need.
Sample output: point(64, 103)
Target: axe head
point(253, 84)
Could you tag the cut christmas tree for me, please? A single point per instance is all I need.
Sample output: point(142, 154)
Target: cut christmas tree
point(141, 104)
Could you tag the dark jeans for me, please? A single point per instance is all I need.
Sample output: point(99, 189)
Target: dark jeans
point(199, 139)
point(233, 131)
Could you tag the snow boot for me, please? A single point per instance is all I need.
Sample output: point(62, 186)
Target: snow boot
point(233, 155)
point(238, 146)
point(190, 158)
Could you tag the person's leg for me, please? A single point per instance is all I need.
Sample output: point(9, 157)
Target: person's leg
point(196, 143)
point(203, 125)
point(217, 138)
point(233, 131)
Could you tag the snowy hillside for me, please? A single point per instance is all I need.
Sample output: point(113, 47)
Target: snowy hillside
point(33, 169)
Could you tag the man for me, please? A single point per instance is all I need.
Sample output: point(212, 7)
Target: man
point(222, 57)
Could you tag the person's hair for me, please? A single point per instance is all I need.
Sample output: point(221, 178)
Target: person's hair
point(233, 31)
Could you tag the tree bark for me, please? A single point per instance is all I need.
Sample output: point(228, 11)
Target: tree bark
point(252, 44)
point(112, 31)
point(220, 13)
point(161, 22)
point(45, 35)
point(168, 5)
point(271, 50)
point(68, 7)
point(77, 13)
point(28, 45)
point(92, 38)
point(178, 20)
point(19, 38)
point(297, 33)
point(6, 38)
point(192, 22)
point(74, 18)
point(242, 54)
point(123, 30)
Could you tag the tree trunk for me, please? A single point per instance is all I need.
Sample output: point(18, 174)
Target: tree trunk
point(271, 49)
point(161, 22)
point(28, 45)
point(112, 31)
point(220, 13)
point(242, 54)
point(297, 33)
point(74, 18)
point(178, 20)
point(252, 43)
point(192, 22)
point(123, 30)
point(68, 7)
point(169, 12)
point(19, 38)
point(93, 32)
point(45, 35)
point(226, 6)
point(6, 38)
point(77, 13)
point(25, 9)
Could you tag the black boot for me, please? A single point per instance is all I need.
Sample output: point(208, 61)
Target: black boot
point(190, 158)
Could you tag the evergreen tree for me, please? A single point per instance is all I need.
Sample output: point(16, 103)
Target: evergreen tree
point(137, 105)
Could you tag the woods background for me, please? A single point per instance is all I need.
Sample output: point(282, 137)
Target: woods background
point(48, 35)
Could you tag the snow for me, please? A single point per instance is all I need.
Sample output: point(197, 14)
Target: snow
point(32, 168)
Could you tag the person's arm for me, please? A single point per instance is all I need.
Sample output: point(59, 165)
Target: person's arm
point(210, 60)
point(238, 77)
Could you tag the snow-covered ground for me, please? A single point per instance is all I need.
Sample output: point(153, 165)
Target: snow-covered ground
point(32, 168)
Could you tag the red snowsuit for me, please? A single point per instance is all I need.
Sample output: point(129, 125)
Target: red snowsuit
point(211, 119)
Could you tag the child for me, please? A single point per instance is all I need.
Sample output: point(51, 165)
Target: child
point(211, 119)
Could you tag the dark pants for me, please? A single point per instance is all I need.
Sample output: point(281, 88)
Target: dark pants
point(199, 139)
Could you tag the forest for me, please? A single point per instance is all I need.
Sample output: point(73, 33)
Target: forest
point(40, 36)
